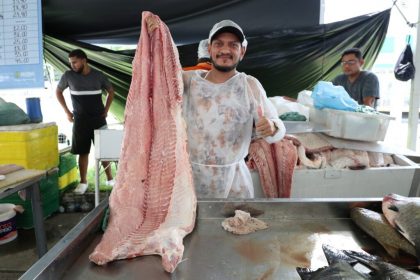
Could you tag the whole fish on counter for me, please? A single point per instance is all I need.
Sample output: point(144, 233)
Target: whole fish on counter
point(377, 226)
point(338, 271)
point(381, 269)
point(403, 213)
point(340, 267)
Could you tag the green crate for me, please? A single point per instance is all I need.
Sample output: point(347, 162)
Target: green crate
point(67, 163)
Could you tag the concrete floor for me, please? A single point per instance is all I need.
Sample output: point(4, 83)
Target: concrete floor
point(19, 255)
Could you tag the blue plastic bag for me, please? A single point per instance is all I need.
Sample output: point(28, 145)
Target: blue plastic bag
point(326, 95)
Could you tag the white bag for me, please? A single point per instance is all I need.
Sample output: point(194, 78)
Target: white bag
point(283, 106)
point(305, 98)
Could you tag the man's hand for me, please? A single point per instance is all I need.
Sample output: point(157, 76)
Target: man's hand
point(265, 127)
point(70, 116)
point(152, 23)
point(369, 101)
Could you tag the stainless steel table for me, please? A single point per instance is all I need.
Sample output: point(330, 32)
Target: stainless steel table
point(297, 230)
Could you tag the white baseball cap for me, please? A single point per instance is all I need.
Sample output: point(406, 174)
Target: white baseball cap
point(227, 26)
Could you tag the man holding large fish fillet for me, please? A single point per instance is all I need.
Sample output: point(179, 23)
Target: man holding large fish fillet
point(220, 108)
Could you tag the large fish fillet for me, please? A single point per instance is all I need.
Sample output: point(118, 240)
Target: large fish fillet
point(275, 163)
point(153, 204)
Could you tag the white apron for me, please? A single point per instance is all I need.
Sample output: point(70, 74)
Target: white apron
point(219, 121)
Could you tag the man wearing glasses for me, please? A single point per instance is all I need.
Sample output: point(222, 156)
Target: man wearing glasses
point(362, 86)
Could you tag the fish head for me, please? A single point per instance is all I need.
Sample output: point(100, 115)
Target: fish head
point(335, 255)
point(391, 204)
point(403, 213)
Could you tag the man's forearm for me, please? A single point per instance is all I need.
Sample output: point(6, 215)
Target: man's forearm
point(109, 99)
point(62, 101)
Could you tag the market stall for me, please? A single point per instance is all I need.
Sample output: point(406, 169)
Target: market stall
point(297, 230)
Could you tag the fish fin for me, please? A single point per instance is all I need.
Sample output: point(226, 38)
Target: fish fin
point(399, 229)
point(393, 208)
point(335, 255)
point(364, 258)
point(304, 273)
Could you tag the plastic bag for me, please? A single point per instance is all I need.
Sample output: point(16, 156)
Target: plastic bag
point(404, 69)
point(326, 95)
point(304, 98)
point(11, 114)
point(284, 106)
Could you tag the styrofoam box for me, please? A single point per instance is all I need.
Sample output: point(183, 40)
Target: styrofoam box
point(108, 141)
point(352, 125)
point(346, 183)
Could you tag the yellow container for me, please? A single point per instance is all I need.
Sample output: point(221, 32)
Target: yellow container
point(68, 178)
point(33, 146)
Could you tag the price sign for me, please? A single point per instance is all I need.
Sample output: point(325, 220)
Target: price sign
point(21, 64)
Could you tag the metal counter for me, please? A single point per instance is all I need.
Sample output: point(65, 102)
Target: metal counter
point(297, 229)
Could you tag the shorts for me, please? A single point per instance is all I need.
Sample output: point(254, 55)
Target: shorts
point(83, 133)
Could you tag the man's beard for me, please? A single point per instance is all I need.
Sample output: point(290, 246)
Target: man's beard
point(224, 68)
point(80, 70)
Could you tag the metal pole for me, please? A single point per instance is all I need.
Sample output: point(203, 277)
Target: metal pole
point(97, 166)
point(41, 239)
point(413, 115)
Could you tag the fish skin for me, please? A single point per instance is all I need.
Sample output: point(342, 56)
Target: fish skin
point(340, 267)
point(334, 255)
point(340, 270)
point(377, 226)
point(403, 213)
point(382, 270)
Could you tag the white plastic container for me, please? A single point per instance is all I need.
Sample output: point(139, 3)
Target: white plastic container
point(8, 230)
point(352, 125)
point(346, 183)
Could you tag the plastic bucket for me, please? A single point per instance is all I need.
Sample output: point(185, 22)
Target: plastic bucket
point(7, 223)
point(33, 109)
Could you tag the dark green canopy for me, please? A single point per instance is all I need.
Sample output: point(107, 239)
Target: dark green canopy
point(286, 61)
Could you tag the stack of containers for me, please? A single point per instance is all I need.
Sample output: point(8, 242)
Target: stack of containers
point(32, 146)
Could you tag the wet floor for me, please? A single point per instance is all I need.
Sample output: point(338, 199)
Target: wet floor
point(20, 254)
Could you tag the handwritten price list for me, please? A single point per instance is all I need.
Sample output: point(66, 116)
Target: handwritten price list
point(19, 42)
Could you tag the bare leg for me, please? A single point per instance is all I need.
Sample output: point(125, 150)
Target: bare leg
point(83, 167)
point(107, 170)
